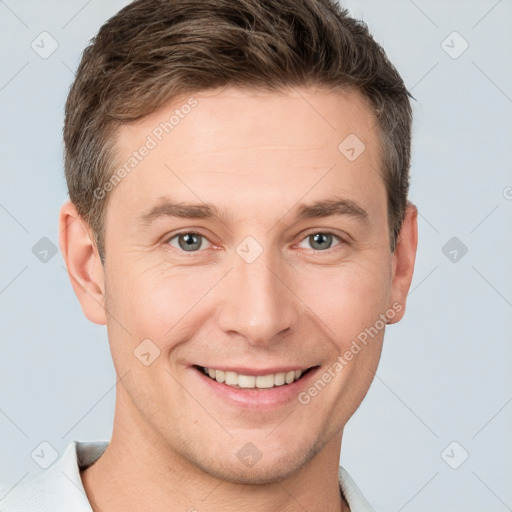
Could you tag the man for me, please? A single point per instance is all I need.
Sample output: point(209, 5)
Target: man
point(238, 219)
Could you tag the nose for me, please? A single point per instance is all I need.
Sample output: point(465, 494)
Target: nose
point(258, 304)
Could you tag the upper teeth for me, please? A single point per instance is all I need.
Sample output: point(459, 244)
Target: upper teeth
point(251, 381)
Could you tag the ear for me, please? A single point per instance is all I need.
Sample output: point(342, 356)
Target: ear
point(83, 263)
point(403, 262)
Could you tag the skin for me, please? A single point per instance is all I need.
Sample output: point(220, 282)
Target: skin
point(255, 155)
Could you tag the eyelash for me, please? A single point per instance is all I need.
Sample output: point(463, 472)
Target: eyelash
point(307, 235)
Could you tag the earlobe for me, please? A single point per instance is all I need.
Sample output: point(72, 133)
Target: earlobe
point(403, 262)
point(83, 263)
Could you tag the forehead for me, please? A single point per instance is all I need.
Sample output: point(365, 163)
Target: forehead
point(249, 146)
point(310, 115)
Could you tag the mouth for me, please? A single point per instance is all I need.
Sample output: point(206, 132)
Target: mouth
point(254, 382)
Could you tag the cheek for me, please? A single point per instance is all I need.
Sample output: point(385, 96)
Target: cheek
point(157, 303)
point(163, 303)
point(347, 299)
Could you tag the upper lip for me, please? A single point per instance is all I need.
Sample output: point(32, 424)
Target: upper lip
point(243, 370)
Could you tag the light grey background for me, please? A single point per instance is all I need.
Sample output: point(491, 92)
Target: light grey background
point(445, 373)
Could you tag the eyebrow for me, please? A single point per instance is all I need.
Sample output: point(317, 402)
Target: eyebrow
point(315, 210)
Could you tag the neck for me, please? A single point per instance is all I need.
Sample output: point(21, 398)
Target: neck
point(138, 470)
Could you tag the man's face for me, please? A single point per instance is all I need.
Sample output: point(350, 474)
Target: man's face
point(258, 291)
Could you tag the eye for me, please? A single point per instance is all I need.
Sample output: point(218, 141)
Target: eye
point(188, 241)
point(321, 240)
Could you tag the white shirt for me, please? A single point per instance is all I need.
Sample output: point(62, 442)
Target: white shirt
point(59, 488)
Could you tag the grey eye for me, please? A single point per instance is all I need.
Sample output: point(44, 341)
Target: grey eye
point(188, 242)
point(320, 241)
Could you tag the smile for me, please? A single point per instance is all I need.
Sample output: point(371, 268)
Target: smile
point(238, 380)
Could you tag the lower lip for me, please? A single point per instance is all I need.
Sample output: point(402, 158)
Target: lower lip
point(269, 398)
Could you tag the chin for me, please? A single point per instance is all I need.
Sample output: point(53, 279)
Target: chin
point(271, 467)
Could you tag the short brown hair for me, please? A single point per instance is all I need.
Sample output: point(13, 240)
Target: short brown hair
point(154, 50)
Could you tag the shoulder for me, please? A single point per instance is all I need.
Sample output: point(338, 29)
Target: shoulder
point(59, 488)
point(353, 495)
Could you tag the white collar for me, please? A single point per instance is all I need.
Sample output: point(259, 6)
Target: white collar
point(60, 488)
